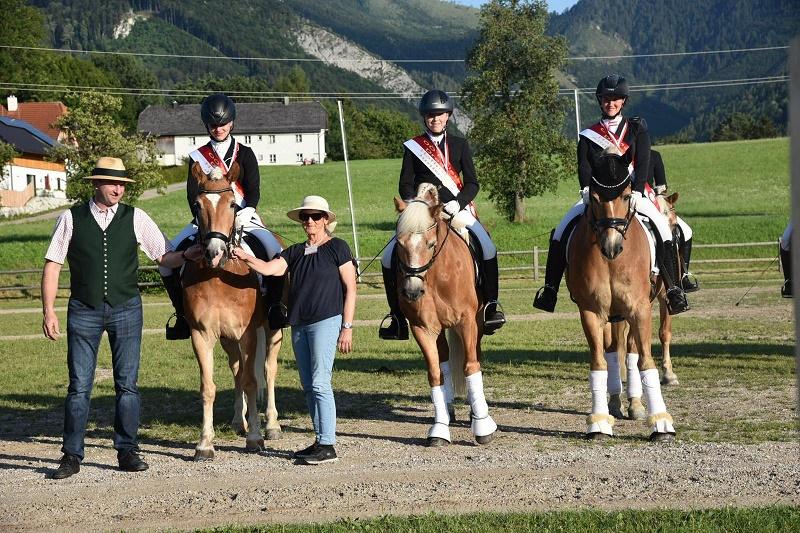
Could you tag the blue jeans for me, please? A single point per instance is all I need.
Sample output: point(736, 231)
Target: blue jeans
point(85, 326)
point(314, 349)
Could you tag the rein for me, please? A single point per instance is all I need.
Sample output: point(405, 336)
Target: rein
point(231, 240)
point(621, 225)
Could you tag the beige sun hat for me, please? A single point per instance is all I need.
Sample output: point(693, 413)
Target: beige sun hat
point(314, 203)
point(111, 169)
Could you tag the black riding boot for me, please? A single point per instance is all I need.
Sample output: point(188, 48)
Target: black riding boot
point(547, 296)
point(398, 327)
point(181, 328)
point(277, 315)
point(786, 266)
point(493, 317)
point(676, 298)
point(687, 283)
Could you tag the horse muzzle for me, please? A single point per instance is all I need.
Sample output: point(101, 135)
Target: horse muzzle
point(611, 248)
point(413, 288)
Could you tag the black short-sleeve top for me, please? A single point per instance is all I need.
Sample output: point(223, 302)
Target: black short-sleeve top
point(316, 290)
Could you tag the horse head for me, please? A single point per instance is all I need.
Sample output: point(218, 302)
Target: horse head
point(610, 207)
point(417, 236)
point(666, 205)
point(215, 210)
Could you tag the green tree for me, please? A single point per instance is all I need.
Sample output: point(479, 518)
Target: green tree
point(512, 96)
point(372, 132)
point(744, 126)
point(92, 132)
point(7, 153)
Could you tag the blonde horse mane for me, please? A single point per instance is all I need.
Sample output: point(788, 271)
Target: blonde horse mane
point(416, 216)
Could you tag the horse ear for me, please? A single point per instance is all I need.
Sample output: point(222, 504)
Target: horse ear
point(399, 205)
point(233, 173)
point(197, 172)
point(673, 198)
point(436, 211)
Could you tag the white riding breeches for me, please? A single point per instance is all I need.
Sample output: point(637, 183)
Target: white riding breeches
point(786, 238)
point(574, 212)
point(686, 230)
point(463, 218)
point(647, 208)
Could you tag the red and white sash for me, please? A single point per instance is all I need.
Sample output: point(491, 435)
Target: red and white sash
point(439, 163)
point(602, 137)
point(208, 159)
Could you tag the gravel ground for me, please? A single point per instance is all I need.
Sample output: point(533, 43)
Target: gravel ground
point(533, 464)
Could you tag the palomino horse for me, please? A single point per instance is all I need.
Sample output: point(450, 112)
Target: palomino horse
point(609, 281)
point(223, 302)
point(624, 345)
point(437, 293)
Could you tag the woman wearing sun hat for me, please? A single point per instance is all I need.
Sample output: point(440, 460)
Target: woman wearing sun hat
point(322, 304)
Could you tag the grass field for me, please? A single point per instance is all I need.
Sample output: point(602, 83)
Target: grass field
point(723, 353)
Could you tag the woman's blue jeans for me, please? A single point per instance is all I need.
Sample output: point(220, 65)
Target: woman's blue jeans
point(85, 326)
point(314, 349)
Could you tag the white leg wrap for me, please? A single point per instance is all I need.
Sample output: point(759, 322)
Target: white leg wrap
point(658, 419)
point(634, 386)
point(598, 384)
point(614, 379)
point(447, 382)
point(482, 423)
point(441, 420)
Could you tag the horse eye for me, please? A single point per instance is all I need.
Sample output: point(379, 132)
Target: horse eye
point(628, 197)
point(431, 245)
point(233, 204)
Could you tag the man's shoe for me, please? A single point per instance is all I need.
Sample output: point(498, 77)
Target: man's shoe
point(323, 454)
point(131, 462)
point(786, 290)
point(396, 330)
point(305, 452)
point(688, 284)
point(545, 299)
point(180, 330)
point(69, 465)
point(277, 316)
point(676, 301)
point(493, 318)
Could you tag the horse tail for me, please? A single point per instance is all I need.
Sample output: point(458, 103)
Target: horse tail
point(457, 362)
point(260, 362)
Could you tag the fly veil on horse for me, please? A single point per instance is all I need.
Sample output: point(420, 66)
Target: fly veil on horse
point(437, 293)
point(223, 301)
point(609, 278)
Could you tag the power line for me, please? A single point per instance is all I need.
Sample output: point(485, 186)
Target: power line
point(373, 60)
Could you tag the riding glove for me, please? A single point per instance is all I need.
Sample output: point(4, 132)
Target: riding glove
point(452, 208)
point(244, 216)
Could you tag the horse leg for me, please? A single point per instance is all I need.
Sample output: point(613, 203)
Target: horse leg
point(247, 349)
point(439, 432)
point(612, 333)
point(204, 352)
point(238, 422)
point(483, 425)
point(636, 410)
point(599, 422)
point(443, 347)
point(668, 377)
point(658, 419)
point(273, 428)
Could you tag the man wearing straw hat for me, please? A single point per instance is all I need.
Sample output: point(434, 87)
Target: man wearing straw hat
point(100, 239)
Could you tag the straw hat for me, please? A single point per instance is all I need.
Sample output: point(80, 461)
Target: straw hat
point(111, 169)
point(314, 203)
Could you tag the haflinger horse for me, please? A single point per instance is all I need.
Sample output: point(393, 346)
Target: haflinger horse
point(610, 282)
point(625, 354)
point(223, 302)
point(438, 296)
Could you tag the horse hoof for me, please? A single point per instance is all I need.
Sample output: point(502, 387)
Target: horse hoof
point(485, 439)
point(597, 436)
point(436, 442)
point(670, 381)
point(451, 412)
point(637, 414)
point(661, 437)
point(615, 411)
point(204, 455)
point(273, 434)
point(254, 446)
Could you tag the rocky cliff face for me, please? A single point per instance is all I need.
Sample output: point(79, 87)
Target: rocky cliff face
point(337, 51)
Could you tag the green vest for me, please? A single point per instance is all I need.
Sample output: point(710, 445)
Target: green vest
point(103, 264)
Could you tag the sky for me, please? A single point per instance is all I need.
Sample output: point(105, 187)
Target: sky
point(554, 5)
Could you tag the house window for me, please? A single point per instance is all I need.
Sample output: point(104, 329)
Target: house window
point(272, 139)
point(192, 140)
point(247, 139)
point(30, 178)
point(273, 158)
point(259, 138)
point(260, 157)
point(299, 158)
point(298, 138)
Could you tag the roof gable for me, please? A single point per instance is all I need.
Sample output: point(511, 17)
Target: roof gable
point(24, 137)
point(41, 115)
point(300, 117)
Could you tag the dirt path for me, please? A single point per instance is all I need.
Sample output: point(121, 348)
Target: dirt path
point(534, 464)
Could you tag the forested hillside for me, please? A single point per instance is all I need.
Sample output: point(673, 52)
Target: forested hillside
point(409, 30)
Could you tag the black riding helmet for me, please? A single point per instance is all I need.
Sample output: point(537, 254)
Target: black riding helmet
point(435, 101)
point(613, 85)
point(217, 110)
